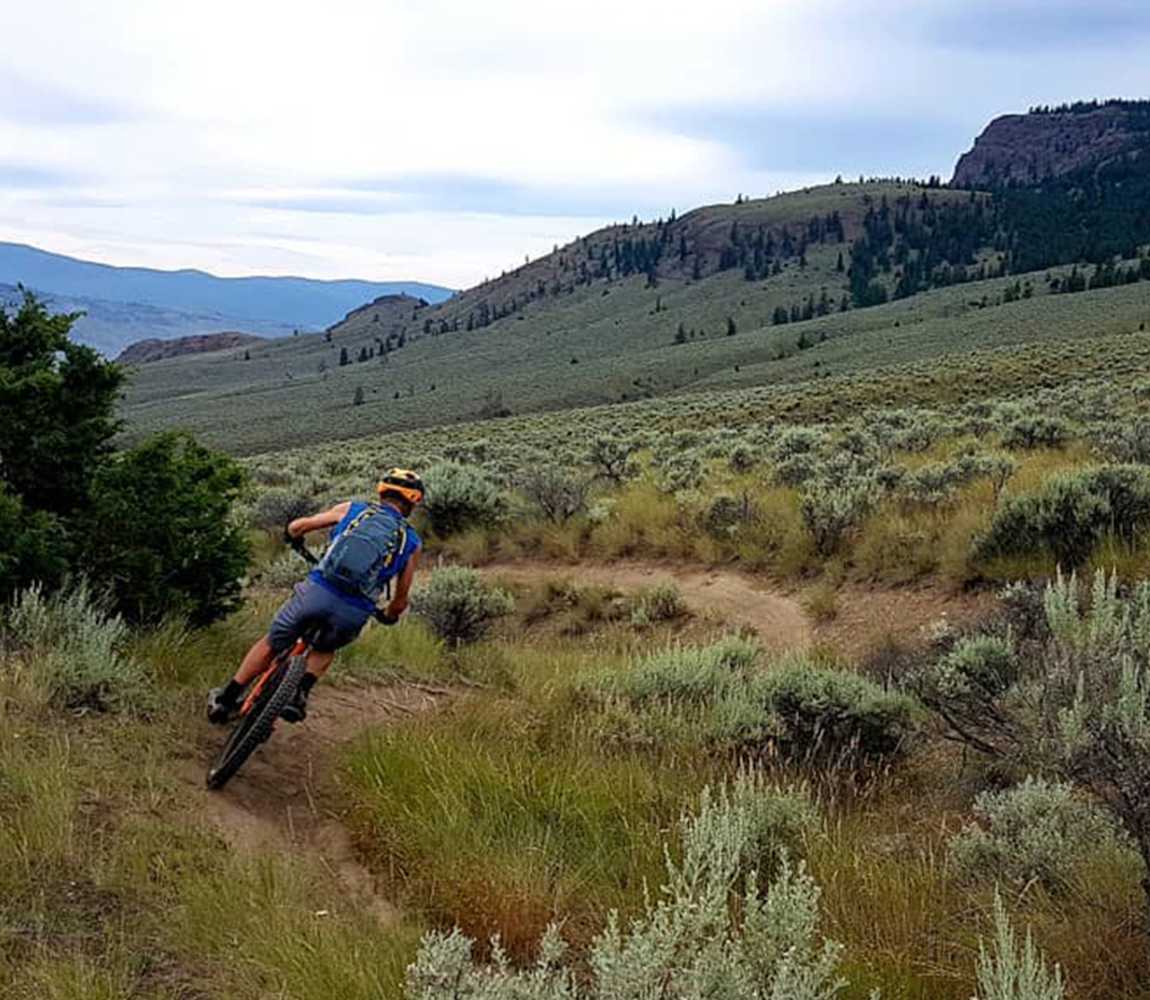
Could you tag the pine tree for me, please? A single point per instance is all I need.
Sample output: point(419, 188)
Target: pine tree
point(343, 358)
point(731, 328)
point(357, 400)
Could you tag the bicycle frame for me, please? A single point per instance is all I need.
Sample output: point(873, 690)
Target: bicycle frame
point(299, 649)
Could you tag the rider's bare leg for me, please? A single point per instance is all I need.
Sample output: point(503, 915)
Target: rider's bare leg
point(318, 663)
point(257, 660)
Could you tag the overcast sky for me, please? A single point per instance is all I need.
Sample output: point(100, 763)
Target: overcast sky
point(443, 140)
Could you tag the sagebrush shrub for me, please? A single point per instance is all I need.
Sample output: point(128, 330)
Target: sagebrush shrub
point(460, 497)
point(830, 511)
point(466, 453)
point(1127, 490)
point(977, 666)
point(689, 941)
point(721, 694)
point(680, 472)
point(724, 513)
point(684, 673)
point(558, 493)
point(834, 716)
point(798, 441)
point(1077, 708)
point(1070, 514)
point(1009, 971)
point(919, 435)
point(795, 470)
point(662, 603)
point(71, 647)
point(1125, 442)
point(1036, 431)
point(275, 508)
point(282, 572)
point(458, 606)
point(932, 485)
point(742, 458)
point(611, 457)
point(1037, 831)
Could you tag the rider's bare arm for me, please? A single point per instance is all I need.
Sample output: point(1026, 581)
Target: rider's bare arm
point(303, 525)
point(398, 604)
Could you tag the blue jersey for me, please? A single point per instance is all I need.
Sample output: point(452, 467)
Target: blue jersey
point(398, 565)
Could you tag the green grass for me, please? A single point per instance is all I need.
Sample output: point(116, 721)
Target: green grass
point(499, 813)
point(111, 887)
point(476, 824)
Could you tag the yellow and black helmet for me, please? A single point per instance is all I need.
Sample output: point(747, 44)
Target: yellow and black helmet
point(403, 483)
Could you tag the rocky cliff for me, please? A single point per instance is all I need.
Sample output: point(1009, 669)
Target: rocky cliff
point(1026, 149)
point(143, 351)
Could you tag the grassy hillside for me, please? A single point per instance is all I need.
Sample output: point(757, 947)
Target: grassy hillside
point(728, 295)
point(602, 347)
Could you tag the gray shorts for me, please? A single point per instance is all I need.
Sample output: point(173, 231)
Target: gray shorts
point(314, 607)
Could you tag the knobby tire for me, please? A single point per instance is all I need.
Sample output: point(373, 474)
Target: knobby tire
point(255, 727)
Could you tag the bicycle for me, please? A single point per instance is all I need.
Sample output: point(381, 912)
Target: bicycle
point(266, 697)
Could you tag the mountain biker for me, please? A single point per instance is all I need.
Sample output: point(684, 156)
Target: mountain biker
point(317, 602)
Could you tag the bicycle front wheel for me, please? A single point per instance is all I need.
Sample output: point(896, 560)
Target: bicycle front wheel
point(257, 725)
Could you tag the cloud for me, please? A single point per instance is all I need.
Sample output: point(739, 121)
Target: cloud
point(1027, 26)
point(818, 139)
point(442, 192)
point(443, 140)
point(29, 101)
point(34, 176)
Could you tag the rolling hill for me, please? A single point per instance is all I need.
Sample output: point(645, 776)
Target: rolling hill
point(825, 282)
point(124, 304)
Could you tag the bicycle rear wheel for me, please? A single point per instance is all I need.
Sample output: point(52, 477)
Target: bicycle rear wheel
point(257, 725)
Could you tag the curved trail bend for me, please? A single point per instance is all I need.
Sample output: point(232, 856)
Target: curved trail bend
point(777, 618)
point(283, 798)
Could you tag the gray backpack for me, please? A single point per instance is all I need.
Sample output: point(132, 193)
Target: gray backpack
point(358, 560)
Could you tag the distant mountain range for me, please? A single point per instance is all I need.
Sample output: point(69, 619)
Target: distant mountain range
point(125, 304)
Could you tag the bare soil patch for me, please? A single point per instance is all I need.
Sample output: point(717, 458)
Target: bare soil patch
point(866, 618)
point(869, 617)
point(734, 597)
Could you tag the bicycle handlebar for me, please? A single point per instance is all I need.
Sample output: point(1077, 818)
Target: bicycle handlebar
point(300, 548)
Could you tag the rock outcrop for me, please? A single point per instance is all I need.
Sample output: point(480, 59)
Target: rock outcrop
point(143, 351)
point(1026, 149)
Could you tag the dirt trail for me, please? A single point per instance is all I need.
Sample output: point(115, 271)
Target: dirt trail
point(777, 618)
point(865, 619)
point(282, 799)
